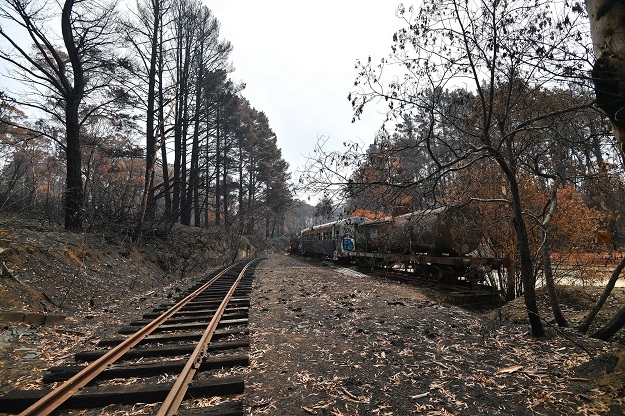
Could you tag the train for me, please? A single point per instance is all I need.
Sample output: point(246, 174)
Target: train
point(336, 239)
point(442, 242)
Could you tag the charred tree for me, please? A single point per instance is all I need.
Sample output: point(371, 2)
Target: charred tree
point(83, 70)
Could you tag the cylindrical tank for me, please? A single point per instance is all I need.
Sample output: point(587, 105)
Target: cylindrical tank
point(382, 236)
point(445, 230)
point(451, 230)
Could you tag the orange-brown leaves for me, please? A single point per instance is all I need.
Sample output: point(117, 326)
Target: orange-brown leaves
point(572, 227)
point(362, 212)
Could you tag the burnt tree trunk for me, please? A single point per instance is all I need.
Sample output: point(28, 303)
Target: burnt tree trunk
point(604, 296)
point(217, 169)
point(74, 96)
point(147, 207)
point(224, 185)
point(161, 125)
point(549, 281)
point(546, 249)
point(241, 189)
point(523, 245)
point(612, 326)
point(194, 173)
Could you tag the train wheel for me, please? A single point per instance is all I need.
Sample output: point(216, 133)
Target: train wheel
point(434, 272)
point(419, 270)
point(449, 274)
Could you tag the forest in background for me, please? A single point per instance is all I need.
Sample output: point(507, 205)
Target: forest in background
point(129, 121)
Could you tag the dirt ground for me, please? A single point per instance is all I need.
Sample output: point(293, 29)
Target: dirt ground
point(330, 343)
point(325, 341)
point(97, 281)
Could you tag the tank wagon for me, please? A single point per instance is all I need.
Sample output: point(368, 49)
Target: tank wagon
point(451, 231)
point(439, 242)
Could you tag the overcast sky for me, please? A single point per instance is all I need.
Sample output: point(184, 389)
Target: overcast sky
point(297, 59)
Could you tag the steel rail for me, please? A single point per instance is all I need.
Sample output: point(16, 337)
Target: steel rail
point(58, 396)
point(176, 394)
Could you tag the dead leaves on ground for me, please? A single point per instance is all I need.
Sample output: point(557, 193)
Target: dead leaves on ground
point(347, 347)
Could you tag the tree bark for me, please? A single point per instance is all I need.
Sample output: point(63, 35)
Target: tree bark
point(217, 168)
point(151, 134)
point(195, 146)
point(527, 265)
point(527, 268)
point(180, 127)
point(75, 93)
point(551, 287)
point(241, 213)
point(607, 24)
point(224, 185)
point(604, 297)
point(546, 249)
point(161, 125)
point(612, 326)
point(251, 193)
point(147, 203)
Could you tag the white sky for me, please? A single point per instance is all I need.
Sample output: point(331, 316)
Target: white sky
point(297, 60)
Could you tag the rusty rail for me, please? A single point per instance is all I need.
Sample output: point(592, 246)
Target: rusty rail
point(176, 395)
point(58, 396)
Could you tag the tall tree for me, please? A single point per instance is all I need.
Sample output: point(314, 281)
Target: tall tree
point(211, 57)
point(144, 35)
point(184, 36)
point(505, 51)
point(64, 76)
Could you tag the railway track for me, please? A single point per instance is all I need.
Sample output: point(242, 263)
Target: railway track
point(165, 357)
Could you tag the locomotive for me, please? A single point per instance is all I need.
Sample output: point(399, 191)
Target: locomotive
point(436, 242)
